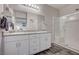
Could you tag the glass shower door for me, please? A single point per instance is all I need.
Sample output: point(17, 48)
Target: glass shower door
point(70, 30)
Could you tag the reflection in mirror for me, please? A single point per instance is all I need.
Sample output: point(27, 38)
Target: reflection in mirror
point(21, 23)
point(41, 22)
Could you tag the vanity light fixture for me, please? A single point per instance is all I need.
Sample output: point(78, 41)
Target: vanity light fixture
point(72, 18)
point(34, 6)
point(63, 17)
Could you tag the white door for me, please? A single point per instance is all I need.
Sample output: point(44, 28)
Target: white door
point(10, 48)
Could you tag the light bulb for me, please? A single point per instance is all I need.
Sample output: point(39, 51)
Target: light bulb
point(72, 18)
point(64, 17)
point(32, 6)
point(29, 5)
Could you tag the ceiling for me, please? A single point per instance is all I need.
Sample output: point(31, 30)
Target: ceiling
point(59, 6)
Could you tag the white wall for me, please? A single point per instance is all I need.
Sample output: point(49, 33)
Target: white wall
point(69, 9)
point(0, 42)
point(63, 12)
point(0, 29)
point(69, 28)
point(52, 20)
point(1, 8)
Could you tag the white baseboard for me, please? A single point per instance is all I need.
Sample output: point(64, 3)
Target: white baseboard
point(68, 47)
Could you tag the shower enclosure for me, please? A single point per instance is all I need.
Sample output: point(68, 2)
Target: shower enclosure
point(69, 31)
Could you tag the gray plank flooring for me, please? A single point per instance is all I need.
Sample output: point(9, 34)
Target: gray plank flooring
point(57, 50)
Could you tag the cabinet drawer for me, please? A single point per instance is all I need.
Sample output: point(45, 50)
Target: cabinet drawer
point(34, 36)
point(15, 38)
point(34, 41)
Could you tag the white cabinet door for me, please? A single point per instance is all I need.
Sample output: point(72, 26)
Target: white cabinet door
point(24, 44)
point(45, 41)
point(10, 48)
point(48, 37)
point(16, 45)
point(24, 47)
point(34, 44)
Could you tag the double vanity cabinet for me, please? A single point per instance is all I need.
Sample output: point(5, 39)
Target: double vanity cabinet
point(26, 43)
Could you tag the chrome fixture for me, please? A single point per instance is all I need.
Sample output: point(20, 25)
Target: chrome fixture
point(34, 6)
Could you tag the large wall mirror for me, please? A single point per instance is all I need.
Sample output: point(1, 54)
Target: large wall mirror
point(20, 21)
point(41, 22)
